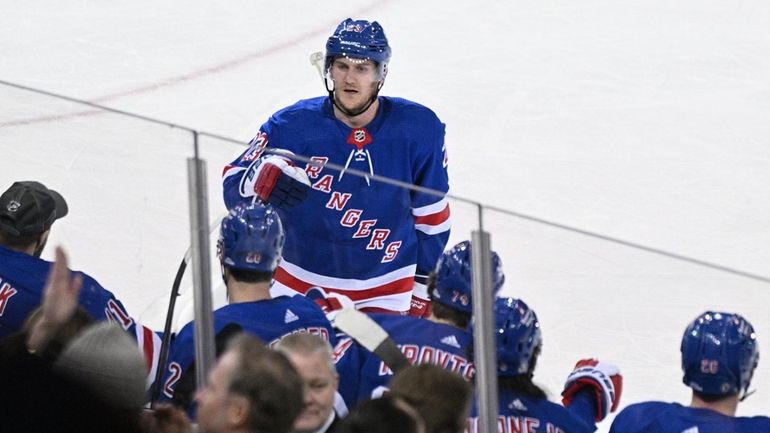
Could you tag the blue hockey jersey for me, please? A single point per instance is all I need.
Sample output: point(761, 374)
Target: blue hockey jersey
point(364, 376)
point(661, 417)
point(352, 235)
point(520, 414)
point(22, 279)
point(270, 320)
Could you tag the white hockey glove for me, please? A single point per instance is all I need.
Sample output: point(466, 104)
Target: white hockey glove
point(603, 378)
point(280, 182)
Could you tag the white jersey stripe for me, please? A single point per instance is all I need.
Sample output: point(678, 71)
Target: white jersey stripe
point(347, 283)
point(432, 230)
point(431, 208)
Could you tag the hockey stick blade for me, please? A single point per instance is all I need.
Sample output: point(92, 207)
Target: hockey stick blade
point(369, 334)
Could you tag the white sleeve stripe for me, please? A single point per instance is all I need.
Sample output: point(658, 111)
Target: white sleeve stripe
point(432, 230)
point(232, 171)
point(431, 208)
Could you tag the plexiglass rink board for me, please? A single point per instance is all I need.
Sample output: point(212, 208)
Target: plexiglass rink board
point(596, 298)
point(125, 181)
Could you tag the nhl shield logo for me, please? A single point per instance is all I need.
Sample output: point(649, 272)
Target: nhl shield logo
point(359, 135)
point(13, 206)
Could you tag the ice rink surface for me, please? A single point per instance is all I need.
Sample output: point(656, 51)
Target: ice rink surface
point(643, 120)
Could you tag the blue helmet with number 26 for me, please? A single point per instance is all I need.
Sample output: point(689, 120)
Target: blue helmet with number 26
point(453, 277)
point(719, 353)
point(251, 238)
point(359, 39)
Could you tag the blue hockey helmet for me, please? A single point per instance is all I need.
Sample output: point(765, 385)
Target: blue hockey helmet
point(251, 238)
point(517, 331)
point(359, 39)
point(719, 353)
point(453, 278)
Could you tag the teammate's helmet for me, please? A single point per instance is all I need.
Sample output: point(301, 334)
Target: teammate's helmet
point(359, 39)
point(518, 336)
point(453, 277)
point(719, 353)
point(251, 238)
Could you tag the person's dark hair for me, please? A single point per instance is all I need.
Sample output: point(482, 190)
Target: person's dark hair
point(711, 398)
point(521, 385)
point(426, 387)
point(245, 276)
point(272, 386)
point(441, 311)
point(17, 242)
point(379, 415)
point(444, 312)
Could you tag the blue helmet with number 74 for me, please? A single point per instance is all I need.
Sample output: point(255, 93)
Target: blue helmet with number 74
point(719, 354)
point(453, 278)
point(251, 238)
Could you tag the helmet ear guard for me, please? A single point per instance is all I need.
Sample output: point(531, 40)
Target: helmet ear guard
point(719, 354)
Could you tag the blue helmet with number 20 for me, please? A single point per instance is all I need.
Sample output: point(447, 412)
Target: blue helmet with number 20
point(719, 353)
point(251, 238)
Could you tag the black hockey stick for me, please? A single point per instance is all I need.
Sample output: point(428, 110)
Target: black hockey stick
point(166, 342)
point(370, 335)
point(164, 346)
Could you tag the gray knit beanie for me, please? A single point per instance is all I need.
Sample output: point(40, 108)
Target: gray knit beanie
point(105, 360)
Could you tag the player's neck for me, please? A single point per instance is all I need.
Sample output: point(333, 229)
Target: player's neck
point(435, 319)
point(360, 120)
point(247, 292)
point(726, 406)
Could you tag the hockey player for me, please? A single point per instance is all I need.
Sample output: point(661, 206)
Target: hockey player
point(27, 212)
point(719, 355)
point(371, 241)
point(591, 391)
point(441, 339)
point(249, 248)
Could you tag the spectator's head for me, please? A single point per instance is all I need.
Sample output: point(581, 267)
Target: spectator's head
point(442, 398)
point(79, 320)
point(107, 362)
point(313, 359)
point(27, 211)
point(250, 243)
point(450, 284)
point(252, 389)
point(382, 415)
point(719, 355)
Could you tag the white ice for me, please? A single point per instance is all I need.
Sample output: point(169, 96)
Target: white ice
point(645, 120)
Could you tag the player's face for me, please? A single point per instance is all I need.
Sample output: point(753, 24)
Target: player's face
point(320, 385)
point(355, 82)
point(213, 400)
